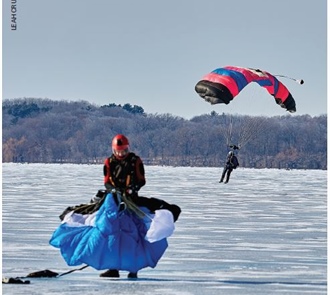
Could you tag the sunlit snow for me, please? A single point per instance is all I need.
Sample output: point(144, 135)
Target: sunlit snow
point(265, 232)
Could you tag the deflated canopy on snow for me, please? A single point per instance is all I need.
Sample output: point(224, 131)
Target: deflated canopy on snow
point(223, 84)
point(112, 238)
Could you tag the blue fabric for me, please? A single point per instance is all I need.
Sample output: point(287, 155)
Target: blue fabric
point(239, 78)
point(115, 242)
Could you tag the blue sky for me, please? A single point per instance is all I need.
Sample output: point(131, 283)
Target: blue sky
point(152, 53)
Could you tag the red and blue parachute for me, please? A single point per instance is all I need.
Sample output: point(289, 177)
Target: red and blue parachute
point(223, 84)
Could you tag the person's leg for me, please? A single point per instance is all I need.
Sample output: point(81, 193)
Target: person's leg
point(228, 175)
point(223, 174)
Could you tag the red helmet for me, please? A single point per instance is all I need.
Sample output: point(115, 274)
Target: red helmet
point(120, 146)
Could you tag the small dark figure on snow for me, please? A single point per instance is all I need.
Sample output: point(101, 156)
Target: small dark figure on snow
point(231, 163)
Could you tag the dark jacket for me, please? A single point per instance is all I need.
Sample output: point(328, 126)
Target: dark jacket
point(124, 174)
point(232, 162)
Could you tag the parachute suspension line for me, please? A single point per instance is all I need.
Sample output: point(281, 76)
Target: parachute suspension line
point(241, 134)
point(51, 274)
point(230, 131)
point(136, 209)
point(299, 81)
point(248, 130)
point(251, 129)
point(133, 207)
point(70, 271)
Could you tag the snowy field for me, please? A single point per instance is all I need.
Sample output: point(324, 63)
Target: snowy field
point(265, 232)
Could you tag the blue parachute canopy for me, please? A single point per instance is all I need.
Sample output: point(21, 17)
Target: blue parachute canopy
point(112, 238)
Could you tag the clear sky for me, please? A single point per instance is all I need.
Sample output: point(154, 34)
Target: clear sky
point(152, 53)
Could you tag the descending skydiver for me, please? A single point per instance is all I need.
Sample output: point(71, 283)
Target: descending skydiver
point(124, 171)
point(231, 163)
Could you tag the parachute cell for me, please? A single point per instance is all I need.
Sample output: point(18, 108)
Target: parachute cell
point(223, 84)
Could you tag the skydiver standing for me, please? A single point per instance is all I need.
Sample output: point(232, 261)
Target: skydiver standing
point(124, 172)
point(231, 163)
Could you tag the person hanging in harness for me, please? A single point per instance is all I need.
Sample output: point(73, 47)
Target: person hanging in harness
point(231, 163)
point(124, 171)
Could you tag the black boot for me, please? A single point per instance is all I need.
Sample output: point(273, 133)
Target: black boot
point(132, 275)
point(110, 273)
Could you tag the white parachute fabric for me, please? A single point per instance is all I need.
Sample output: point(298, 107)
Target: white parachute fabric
point(161, 226)
point(76, 219)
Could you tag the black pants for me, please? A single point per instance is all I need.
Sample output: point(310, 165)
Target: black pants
point(227, 170)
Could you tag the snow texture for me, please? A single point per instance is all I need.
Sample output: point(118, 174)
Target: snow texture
point(265, 232)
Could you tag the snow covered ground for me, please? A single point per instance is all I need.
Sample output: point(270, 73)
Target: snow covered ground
point(265, 232)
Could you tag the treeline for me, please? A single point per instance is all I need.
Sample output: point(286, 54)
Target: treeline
point(46, 131)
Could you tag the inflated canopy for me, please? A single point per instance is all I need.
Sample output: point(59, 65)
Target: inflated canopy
point(223, 84)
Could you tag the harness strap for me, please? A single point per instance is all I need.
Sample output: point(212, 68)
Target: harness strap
point(128, 180)
point(110, 178)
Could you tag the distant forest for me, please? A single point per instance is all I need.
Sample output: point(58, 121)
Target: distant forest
point(47, 131)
